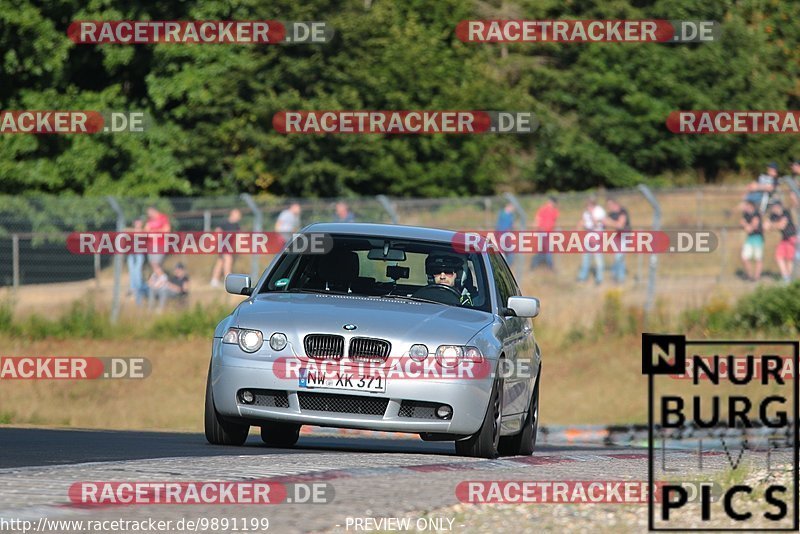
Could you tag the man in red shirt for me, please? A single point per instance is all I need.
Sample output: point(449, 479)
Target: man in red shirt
point(546, 219)
point(157, 222)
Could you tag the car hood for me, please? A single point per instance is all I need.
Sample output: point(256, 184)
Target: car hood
point(394, 319)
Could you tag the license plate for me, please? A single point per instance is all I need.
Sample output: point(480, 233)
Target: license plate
point(311, 378)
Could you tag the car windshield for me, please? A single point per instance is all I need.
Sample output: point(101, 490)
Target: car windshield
point(386, 267)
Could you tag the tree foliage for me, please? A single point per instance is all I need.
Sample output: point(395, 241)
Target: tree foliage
point(602, 107)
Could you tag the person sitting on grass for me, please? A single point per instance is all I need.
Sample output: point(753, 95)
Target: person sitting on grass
point(173, 286)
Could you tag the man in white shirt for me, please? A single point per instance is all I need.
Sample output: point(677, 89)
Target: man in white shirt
point(288, 222)
point(592, 221)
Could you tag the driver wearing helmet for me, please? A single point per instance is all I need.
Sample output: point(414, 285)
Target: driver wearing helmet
point(448, 270)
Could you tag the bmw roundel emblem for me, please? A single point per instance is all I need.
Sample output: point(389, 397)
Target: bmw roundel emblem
point(349, 327)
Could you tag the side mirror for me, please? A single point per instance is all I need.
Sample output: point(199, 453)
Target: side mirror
point(238, 284)
point(524, 306)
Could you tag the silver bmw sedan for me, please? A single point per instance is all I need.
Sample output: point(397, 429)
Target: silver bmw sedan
point(392, 328)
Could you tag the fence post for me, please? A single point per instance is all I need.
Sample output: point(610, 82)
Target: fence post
point(117, 260)
point(97, 270)
point(523, 217)
point(388, 208)
point(516, 268)
point(15, 263)
point(258, 225)
point(699, 207)
point(723, 250)
point(207, 221)
point(651, 278)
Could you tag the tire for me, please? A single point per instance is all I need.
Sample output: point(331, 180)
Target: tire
point(280, 434)
point(219, 431)
point(484, 443)
point(523, 443)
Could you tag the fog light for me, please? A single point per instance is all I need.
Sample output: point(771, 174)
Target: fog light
point(444, 412)
point(277, 341)
point(247, 397)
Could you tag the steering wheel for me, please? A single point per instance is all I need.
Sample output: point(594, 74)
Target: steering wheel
point(439, 293)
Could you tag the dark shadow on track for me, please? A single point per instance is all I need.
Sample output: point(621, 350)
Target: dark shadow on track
point(20, 447)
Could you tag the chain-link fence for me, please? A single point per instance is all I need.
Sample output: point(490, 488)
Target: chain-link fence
point(37, 270)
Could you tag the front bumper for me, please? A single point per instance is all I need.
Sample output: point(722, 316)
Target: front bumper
point(467, 396)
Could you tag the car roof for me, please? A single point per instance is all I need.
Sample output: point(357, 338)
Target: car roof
point(383, 230)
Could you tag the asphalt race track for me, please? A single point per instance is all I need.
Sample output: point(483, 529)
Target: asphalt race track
point(369, 477)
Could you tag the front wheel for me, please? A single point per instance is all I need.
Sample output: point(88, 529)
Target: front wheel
point(219, 431)
point(523, 443)
point(280, 434)
point(484, 443)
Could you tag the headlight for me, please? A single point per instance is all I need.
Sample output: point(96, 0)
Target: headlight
point(248, 340)
point(277, 341)
point(449, 355)
point(452, 355)
point(418, 352)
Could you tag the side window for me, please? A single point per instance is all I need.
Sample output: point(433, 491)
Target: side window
point(512, 283)
point(501, 279)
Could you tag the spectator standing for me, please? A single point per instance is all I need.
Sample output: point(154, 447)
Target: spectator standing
point(760, 191)
point(592, 221)
point(135, 264)
point(753, 248)
point(157, 222)
point(796, 170)
point(343, 213)
point(546, 220)
point(617, 219)
point(781, 219)
point(288, 222)
point(505, 223)
point(224, 264)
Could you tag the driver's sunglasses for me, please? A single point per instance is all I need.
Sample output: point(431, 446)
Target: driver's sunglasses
point(441, 271)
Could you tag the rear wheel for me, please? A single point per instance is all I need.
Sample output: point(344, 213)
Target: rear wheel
point(484, 443)
point(219, 431)
point(523, 443)
point(280, 434)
